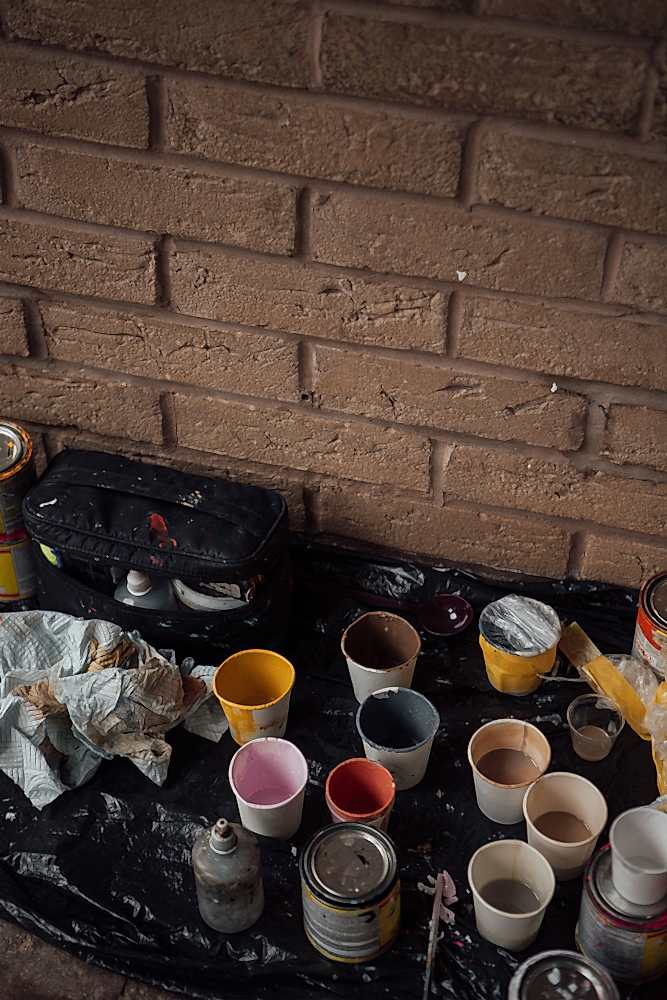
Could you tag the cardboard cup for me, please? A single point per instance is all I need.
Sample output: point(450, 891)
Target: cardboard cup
point(268, 777)
point(639, 855)
point(254, 688)
point(515, 860)
point(499, 802)
point(381, 651)
point(397, 727)
point(360, 791)
point(561, 791)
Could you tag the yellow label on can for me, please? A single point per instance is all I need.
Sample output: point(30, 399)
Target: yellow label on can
point(17, 575)
point(387, 912)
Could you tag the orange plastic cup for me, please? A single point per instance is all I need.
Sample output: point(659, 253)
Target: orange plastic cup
point(360, 791)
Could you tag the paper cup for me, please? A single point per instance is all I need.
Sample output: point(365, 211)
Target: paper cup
point(268, 777)
point(503, 803)
point(360, 791)
point(254, 689)
point(513, 860)
point(567, 793)
point(397, 727)
point(639, 855)
point(381, 651)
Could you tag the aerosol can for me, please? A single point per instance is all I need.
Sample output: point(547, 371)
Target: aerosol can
point(228, 875)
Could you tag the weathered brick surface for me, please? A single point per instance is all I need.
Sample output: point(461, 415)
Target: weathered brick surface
point(625, 561)
point(641, 277)
point(219, 285)
point(250, 213)
point(250, 41)
point(13, 334)
point(68, 95)
point(63, 257)
point(448, 6)
point(658, 125)
point(61, 399)
point(506, 479)
point(544, 338)
point(286, 133)
point(299, 440)
point(573, 181)
point(548, 79)
point(438, 241)
point(247, 363)
point(454, 533)
point(439, 396)
point(636, 435)
point(649, 17)
point(289, 485)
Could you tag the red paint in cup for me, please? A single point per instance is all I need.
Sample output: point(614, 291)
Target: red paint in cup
point(360, 791)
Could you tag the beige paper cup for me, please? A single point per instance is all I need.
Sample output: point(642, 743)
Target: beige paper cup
point(503, 803)
point(561, 791)
point(515, 860)
point(381, 651)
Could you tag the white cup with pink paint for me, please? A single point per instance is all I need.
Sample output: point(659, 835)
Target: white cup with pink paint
point(268, 777)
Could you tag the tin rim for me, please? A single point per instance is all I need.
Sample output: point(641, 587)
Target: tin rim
point(648, 598)
point(518, 980)
point(315, 885)
point(24, 440)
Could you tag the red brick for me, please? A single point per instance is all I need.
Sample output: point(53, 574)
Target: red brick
point(219, 285)
point(458, 69)
point(636, 435)
point(68, 95)
point(658, 124)
point(300, 440)
point(437, 241)
point(286, 133)
point(250, 41)
point(649, 17)
point(641, 276)
point(65, 257)
point(289, 485)
point(508, 479)
point(541, 337)
point(439, 396)
point(255, 214)
point(448, 6)
point(453, 533)
point(623, 560)
point(571, 181)
point(248, 363)
point(13, 333)
point(62, 399)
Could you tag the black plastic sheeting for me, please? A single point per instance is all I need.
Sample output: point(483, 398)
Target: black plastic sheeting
point(105, 871)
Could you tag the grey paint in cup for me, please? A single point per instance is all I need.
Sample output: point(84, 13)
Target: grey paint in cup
point(398, 726)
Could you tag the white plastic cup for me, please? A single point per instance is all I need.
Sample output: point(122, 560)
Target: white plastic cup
point(397, 727)
point(515, 860)
point(268, 777)
point(503, 803)
point(639, 855)
point(381, 651)
point(561, 791)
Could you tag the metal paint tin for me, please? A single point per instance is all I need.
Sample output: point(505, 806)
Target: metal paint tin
point(650, 642)
point(630, 941)
point(350, 891)
point(17, 473)
point(17, 569)
point(551, 975)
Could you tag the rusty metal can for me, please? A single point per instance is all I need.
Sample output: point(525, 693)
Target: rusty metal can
point(17, 474)
point(650, 642)
point(17, 570)
point(630, 941)
point(552, 975)
point(351, 892)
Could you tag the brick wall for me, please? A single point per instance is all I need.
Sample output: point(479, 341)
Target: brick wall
point(404, 261)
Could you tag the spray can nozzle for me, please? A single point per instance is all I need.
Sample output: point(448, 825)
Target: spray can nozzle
point(223, 839)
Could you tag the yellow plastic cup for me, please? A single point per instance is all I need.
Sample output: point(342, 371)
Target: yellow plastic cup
point(254, 688)
point(512, 674)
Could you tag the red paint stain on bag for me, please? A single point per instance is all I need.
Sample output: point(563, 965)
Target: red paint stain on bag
point(159, 532)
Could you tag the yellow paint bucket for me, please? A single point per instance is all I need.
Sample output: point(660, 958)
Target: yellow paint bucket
point(519, 639)
point(513, 674)
point(254, 688)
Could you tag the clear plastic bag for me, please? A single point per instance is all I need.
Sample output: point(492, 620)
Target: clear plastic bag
point(520, 625)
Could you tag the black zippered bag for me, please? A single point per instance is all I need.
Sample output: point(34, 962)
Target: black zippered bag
point(101, 513)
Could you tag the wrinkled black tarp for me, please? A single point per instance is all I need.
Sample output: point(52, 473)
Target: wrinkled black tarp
point(105, 871)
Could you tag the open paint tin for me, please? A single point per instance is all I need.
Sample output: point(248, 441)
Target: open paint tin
point(552, 975)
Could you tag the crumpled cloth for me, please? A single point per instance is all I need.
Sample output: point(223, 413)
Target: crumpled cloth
point(74, 692)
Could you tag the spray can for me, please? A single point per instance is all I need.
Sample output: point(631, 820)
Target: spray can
point(142, 591)
point(228, 876)
point(17, 473)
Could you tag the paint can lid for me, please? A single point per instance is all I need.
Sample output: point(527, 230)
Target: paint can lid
point(551, 975)
point(520, 625)
point(656, 598)
point(11, 446)
point(610, 898)
point(352, 861)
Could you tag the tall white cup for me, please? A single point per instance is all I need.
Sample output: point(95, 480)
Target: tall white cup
point(639, 855)
point(563, 792)
point(503, 803)
point(381, 651)
point(516, 861)
point(268, 777)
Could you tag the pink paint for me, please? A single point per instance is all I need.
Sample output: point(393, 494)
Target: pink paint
point(268, 772)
